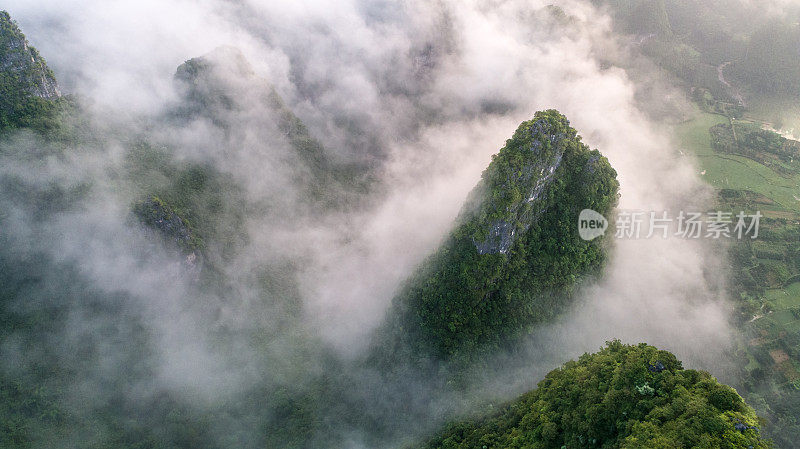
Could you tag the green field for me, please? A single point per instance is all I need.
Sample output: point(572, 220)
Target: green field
point(726, 171)
point(785, 298)
point(766, 272)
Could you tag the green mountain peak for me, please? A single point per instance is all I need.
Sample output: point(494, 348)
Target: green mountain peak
point(624, 396)
point(515, 253)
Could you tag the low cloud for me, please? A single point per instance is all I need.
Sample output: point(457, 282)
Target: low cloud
point(422, 93)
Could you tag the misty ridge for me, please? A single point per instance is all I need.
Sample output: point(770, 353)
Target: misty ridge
point(355, 224)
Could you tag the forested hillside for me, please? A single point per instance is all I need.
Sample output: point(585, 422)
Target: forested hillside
point(739, 51)
point(624, 397)
point(514, 256)
point(29, 95)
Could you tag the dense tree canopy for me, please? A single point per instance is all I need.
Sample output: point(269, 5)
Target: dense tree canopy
point(621, 397)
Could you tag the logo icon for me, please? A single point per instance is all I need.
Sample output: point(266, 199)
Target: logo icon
point(591, 224)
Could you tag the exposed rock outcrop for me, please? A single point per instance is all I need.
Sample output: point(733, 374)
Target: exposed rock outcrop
point(532, 181)
point(515, 255)
point(222, 80)
point(21, 65)
point(160, 217)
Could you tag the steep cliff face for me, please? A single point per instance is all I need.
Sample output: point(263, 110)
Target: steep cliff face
point(515, 254)
point(520, 186)
point(21, 61)
point(27, 86)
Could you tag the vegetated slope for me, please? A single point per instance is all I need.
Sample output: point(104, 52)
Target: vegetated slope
point(29, 93)
point(58, 327)
point(697, 40)
point(764, 271)
point(222, 84)
point(515, 253)
point(246, 123)
point(738, 62)
point(223, 88)
point(181, 209)
point(621, 397)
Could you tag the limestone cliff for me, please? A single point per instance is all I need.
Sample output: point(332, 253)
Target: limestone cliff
point(27, 86)
point(515, 254)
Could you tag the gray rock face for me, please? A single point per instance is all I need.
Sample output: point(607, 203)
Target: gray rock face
point(501, 237)
point(537, 177)
point(159, 217)
point(154, 213)
point(23, 62)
